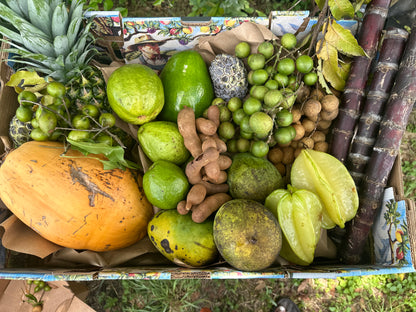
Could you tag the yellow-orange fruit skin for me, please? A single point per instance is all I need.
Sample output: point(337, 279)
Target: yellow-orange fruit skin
point(72, 201)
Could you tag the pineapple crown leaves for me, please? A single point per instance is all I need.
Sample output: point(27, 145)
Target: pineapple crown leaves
point(47, 35)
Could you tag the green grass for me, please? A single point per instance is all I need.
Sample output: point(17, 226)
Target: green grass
point(379, 293)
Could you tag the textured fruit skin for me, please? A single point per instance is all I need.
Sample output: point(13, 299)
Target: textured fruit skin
point(161, 140)
point(181, 240)
point(247, 235)
point(165, 184)
point(135, 93)
point(72, 201)
point(186, 82)
point(251, 177)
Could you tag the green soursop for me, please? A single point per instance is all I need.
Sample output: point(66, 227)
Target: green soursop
point(19, 131)
point(229, 77)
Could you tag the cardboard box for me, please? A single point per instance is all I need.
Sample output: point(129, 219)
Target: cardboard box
point(151, 41)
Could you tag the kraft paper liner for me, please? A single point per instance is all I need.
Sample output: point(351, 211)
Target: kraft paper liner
point(226, 41)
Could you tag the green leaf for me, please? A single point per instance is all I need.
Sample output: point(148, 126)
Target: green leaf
point(341, 8)
point(320, 3)
point(321, 78)
point(343, 40)
point(157, 3)
point(61, 45)
point(114, 154)
point(108, 5)
point(331, 70)
point(24, 79)
point(60, 20)
point(39, 15)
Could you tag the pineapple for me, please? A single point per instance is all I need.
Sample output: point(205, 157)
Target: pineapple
point(51, 38)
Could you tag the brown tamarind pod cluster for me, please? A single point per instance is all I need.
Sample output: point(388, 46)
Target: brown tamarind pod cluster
point(313, 114)
point(207, 171)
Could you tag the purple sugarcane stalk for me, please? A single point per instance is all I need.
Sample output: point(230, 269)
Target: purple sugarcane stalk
point(393, 125)
point(384, 74)
point(353, 94)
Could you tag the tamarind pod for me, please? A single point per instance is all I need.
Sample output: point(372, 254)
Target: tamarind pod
point(193, 168)
point(353, 94)
point(195, 195)
point(383, 78)
point(212, 172)
point(215, 188)
point(224, 162)
point(386, 147)
point(207, 143)
point(213, 114)
point(210, 204)
point(187, 128)
point(206, 126)
point(180, 207)
point(218, 178)
point(221, 145)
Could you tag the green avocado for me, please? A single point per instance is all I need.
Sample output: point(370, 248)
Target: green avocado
point(181, 240)
point(186, 82)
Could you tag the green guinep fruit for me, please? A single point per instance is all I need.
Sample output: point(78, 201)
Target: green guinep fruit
point(181, 240)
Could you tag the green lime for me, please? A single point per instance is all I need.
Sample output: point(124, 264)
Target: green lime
point(292, 83)
point(104, 138)
point(242, 49)
point(34, 122)
point(282, 80)
point(234, 104)
point(47, 122)
point(24, 113)
point(286, 66)
point(259, 149)
point(304, 64)
point(259, 77)
point(81, 122)
point(251, 105)
point(273, 98)
point(26, 98)
point(225, 113)
point(232, 146)
point(270, 70)
point(56, 89)
point(38, 135)
point(245, 127)
point(217, 101)
point(90, 110)
point(226, 130)
point(258, 92)
point(289, 98)
point(246, 135)
point(284, 118)
point(310, 78)
point(266, 48)
point(288, 41)
point(79, 135)
point(56, 135)
point(261, 124)
point(165, 184)
point(272, 84)
point(250, 77)
point(107, 120)
point(284, 135)
point(243, 145)
point(238, 115)
point(256, 61)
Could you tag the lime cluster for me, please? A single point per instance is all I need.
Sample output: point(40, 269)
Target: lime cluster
point(264, 118)
point(54, 118)
point(39, 285)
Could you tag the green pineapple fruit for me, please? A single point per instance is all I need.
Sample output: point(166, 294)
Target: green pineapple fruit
point(51, 38)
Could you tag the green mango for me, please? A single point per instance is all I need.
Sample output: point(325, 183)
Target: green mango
point(181, 240)
point(186, 82)
point(161, 140)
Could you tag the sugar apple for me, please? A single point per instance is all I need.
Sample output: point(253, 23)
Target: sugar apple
point(19, 131)
point(229, 77)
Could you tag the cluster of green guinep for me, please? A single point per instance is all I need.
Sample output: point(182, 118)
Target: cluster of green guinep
point(50, 116)
point(263, 118)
